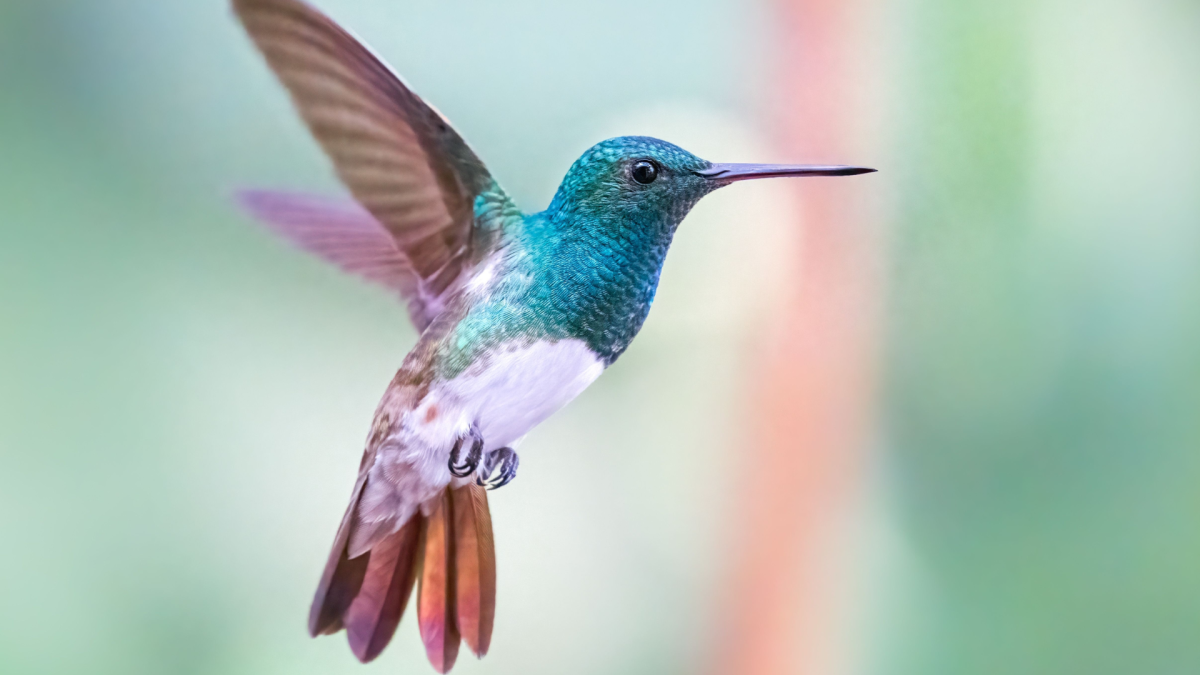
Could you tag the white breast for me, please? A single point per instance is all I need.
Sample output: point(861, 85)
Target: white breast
point(506, 394)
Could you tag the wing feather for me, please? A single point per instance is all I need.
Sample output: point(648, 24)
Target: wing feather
point(400, 159)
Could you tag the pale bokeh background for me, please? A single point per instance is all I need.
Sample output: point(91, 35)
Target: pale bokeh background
point(183, 399)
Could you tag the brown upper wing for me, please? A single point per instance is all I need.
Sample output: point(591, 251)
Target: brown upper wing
point(401, 160)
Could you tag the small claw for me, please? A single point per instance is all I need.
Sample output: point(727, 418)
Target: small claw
point(508, 461)
point(479, 476)
point(468, 466)
point(487, 467)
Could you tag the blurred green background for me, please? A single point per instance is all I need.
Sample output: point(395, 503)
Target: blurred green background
point(183, 399)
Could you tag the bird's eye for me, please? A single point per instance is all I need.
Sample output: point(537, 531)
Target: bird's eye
point(645, 172)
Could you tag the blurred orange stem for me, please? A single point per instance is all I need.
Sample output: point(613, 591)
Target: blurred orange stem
point(814, 391)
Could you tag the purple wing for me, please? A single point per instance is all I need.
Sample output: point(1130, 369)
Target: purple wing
point(346, 234)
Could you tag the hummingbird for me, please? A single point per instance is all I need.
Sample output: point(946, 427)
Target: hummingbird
point(518, 313)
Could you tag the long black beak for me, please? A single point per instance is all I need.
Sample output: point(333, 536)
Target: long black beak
point(728, 173)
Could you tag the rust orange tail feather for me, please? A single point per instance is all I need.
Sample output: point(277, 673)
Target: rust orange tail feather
point(451, 551)
point(372, 618)
point(435, 599)
point(475, 568)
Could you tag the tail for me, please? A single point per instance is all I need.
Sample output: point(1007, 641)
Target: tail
point(452, 551)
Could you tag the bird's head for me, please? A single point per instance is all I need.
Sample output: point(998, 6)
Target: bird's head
point(646, 180)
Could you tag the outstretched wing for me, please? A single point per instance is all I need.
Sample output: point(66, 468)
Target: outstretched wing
point(401, 160)
point(344, 233)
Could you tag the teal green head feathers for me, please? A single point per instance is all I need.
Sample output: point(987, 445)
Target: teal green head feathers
point(647, 180)
point(632, 179)
point(517, 312)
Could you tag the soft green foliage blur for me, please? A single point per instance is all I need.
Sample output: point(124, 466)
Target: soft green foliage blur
point(1044, 395)
point(183, 399)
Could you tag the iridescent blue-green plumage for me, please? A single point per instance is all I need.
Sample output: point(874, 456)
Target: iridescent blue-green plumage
point(588, 266)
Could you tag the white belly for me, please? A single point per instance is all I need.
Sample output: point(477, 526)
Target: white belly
point(517, 390)
point(509, 393)
point(504, 396)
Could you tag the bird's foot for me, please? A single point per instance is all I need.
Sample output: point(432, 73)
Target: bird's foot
point(507, 460)
point(467, 465)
